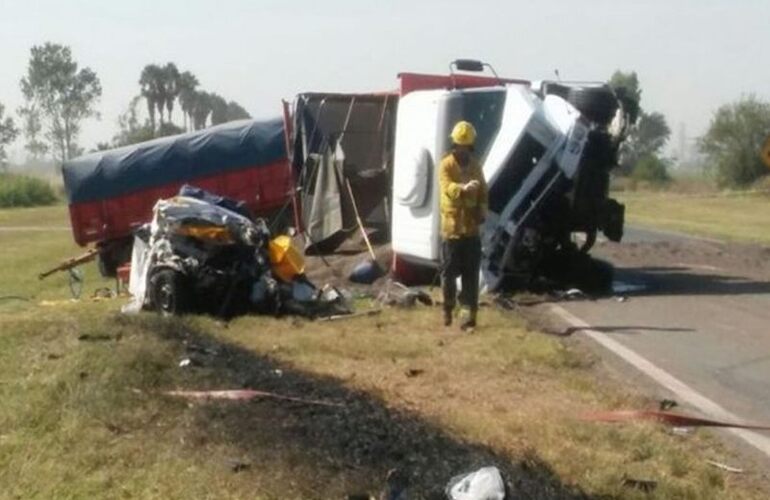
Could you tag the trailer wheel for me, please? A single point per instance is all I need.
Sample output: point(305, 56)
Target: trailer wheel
point(169, 294)
point(598, 104)
point(113, 254)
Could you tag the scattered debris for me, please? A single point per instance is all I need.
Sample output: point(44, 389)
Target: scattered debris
point(238, 465)
point(246, 395)
point(645, 485)
point(96, 337)
point(573, 294)
point(335, 317)
point(667, 404)
point(414, 372)
point(668, 418)
point(400, 295)
point(186, 362)
point(483, 484)
point(682, 431)
point(725, 467)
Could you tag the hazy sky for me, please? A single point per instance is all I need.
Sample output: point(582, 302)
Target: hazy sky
point(691, 55)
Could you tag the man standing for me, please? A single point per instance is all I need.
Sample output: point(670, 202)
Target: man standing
point(463, 210)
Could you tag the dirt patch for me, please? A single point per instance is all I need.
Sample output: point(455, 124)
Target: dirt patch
point(737, 259)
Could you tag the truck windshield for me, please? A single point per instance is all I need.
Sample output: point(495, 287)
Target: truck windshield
point(483, 108)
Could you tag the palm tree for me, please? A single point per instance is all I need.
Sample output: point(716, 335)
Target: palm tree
point(149, 83)
point(202, 108)
point(170, 87)
point(187, 84)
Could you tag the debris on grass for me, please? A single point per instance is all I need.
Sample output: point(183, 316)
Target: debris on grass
point(246, 395)
point(725, 467)
point(645, 485)
point(664, 417)
point(483, 484)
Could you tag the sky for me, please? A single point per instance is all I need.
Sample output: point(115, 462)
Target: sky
point(691, 56)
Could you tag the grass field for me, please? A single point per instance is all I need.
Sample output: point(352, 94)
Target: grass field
point(731, 216)
point(83, 414)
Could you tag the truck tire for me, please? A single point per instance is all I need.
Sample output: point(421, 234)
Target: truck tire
point(169, 294)
point(113, 254)
point(598, 104)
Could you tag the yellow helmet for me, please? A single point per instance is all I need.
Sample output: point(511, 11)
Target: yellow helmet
point(463, 134)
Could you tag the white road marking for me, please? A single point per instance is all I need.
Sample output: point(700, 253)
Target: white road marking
point(684, 392)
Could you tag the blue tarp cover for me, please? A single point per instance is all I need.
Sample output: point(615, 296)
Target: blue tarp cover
point(175, 159)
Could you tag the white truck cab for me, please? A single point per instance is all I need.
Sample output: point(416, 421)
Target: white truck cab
point(546, 163)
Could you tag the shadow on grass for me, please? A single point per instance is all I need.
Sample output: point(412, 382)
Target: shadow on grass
point(329, 452)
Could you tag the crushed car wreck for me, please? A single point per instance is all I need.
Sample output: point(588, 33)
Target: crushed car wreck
point(198, 255)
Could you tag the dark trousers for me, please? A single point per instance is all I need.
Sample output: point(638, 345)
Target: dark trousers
point(461, 257)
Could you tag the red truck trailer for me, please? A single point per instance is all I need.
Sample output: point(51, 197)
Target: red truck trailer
point(112, 192)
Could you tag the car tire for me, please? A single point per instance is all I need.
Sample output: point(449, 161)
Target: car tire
point(169, 294)
point(598, 104)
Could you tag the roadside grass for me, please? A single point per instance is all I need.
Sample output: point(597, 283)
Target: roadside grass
point(740, 217)
point(26, 253)
point(82, 414)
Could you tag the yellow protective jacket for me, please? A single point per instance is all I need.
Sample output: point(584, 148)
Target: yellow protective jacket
point(461, 212)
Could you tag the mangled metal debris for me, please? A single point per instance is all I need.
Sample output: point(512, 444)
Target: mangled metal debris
point(198, 256)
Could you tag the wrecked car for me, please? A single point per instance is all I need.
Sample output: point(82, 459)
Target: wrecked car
point(203, 254)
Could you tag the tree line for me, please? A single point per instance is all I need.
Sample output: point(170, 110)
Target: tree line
point(59, 96)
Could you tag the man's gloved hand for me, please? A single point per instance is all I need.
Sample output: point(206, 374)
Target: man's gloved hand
point(471, 187)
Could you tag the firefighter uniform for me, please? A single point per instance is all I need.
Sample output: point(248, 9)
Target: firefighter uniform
point(463, 209)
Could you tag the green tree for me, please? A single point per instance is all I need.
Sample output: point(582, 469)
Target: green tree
point(32, 128)
point(218, 109)
point(202, 108)
point(651, 168)
point(628, 91)
point(734, 140)
point(8, 134)
point(171, 78)
point(64, 94)
point(646, 139)
point(151, 84)
point(236, 112)
point(187, 85)
point(131, 131)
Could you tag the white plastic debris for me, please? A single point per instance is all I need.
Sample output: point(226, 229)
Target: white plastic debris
point(484, 484)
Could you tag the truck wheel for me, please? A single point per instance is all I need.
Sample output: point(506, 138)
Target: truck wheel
point(113, 254)
point(108, 268)
point(169, 294)
point(598, 104)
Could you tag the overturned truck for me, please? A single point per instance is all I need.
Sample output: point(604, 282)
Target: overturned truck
point(547, 149)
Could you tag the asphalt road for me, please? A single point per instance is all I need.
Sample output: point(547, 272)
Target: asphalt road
point(695, 310)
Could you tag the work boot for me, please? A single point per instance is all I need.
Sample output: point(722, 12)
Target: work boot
point(448, 316)
point(470, 323)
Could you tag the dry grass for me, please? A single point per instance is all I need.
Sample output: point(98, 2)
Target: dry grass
point(741, 217)
point(84, 419)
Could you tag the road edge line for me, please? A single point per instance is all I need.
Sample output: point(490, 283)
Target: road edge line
point(684, 392)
